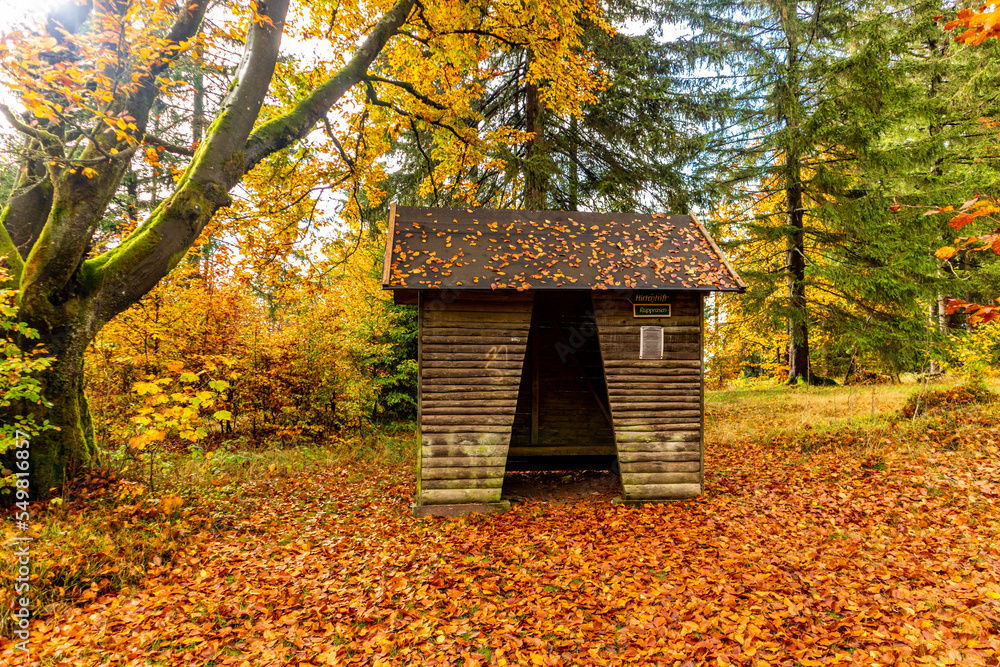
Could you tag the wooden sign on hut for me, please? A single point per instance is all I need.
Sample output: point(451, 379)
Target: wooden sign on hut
point(555, 340)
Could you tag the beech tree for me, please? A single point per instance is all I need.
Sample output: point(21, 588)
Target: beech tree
point(89, 75)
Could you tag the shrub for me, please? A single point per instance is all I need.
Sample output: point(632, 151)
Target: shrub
point(944, 400)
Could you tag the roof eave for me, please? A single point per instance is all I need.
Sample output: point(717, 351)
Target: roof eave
point(399, 289)
point(721, 256)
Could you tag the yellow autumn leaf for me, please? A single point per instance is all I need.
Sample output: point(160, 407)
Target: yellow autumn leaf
point(170, 504)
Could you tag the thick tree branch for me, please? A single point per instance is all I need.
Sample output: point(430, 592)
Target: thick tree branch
point(29, 203)
point(240, 109)
point(227, 153)
point(131, 270)
point(80, 199)
point(50, 140)
point(296, 124)
point(122, 276)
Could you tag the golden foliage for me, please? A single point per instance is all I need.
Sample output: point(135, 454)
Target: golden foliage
point(203, 355)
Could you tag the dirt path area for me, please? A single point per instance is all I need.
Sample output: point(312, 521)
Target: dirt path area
point(562, 487)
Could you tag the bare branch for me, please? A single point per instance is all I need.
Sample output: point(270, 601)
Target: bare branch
point(408, 88)
point(340, 149)
point(430, 165)
point(176, 149)
point(373, 98)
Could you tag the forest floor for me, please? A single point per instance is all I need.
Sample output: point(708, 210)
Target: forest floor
point(830, 533)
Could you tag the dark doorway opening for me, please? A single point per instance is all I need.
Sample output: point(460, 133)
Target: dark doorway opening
point(563, 418)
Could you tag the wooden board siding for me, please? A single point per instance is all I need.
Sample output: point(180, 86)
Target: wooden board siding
point(562, 403)
point(470, 357)
point(656, 405)
point(701, 345)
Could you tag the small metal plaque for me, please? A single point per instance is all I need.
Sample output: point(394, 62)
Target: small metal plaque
point(639, 310)
point(651, 343)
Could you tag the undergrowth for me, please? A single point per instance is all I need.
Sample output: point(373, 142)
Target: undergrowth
point(947, 399)
point(875, 444)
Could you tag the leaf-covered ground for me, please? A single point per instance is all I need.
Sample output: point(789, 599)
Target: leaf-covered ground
point(884, 553)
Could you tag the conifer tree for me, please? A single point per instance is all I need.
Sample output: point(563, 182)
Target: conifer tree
point(797, 91)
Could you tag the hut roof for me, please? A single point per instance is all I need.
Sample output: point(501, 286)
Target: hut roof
point(436, 248)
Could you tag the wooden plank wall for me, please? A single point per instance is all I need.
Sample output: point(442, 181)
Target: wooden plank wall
point(564, 358)
point(656, 405)
point(471, 354)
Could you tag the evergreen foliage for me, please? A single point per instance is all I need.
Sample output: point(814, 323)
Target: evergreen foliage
point(820, 115)
point(627, 151)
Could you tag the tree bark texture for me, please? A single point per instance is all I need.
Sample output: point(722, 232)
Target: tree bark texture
point(534, 173)
point(795, 250)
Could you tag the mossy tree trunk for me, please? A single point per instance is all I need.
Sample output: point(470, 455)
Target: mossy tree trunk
point(57, 454)
point(49, 221)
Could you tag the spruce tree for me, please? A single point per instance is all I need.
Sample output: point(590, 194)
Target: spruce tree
point(798, 91)
point(943, 146)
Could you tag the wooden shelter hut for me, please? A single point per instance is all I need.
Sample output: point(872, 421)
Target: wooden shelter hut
point(555, 340)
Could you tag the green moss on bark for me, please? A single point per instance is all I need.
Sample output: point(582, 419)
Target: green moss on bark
point(56, 454)
point(12, 259)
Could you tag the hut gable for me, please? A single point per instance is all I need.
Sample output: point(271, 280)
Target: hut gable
point(433, 248)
